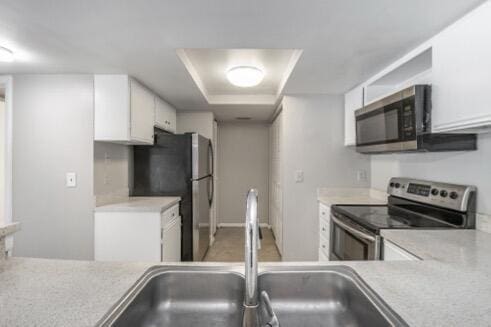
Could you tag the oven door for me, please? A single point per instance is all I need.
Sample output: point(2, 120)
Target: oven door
point(349, 241)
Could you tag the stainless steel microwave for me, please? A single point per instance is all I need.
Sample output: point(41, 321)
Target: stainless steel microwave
point(401, 122)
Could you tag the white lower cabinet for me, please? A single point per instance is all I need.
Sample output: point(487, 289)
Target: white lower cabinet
point(324, 231)
point(171, 241)
point(138, 236)
point(323, 256)
point(392, 252)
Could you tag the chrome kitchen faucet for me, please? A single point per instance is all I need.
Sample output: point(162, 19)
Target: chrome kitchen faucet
point(252, 244)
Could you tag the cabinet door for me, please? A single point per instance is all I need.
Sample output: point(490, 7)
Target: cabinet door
point(171, 241)
point(172, 120)
point(392, 252)
point(111, 108)
point(461, 73)
point(142, 105)
point(353, 100)
point(165, 115)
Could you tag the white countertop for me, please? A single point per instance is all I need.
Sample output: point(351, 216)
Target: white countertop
point(469, 248)
point(451, 290)
point(9, 228)
point(141, 204)
point(332, 196)
point(451, 287)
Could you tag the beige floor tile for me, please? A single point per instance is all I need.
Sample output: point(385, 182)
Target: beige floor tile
point(229, 246)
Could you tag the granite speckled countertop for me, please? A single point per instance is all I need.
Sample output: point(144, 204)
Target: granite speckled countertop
point(9, 228)
point(332, 196)
point(451, 287)
point(141, 204)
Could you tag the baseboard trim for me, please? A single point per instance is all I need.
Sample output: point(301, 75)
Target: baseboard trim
point(263, 225)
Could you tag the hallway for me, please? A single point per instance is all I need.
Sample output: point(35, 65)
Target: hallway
point(229, 246)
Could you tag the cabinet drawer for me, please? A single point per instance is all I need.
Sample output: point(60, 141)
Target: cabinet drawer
point(324, 211)
point(324, 228)
point(170, 214)
point(324, 246)
point(322, 256)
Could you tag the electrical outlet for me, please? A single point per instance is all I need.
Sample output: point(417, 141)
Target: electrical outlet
point(298, 176)
point(71, 180)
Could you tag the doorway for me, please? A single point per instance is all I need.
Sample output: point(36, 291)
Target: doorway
point(243, 158)
point(6, 156)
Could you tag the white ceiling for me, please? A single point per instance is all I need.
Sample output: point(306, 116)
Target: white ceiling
point(208, 68)
point(344, 42)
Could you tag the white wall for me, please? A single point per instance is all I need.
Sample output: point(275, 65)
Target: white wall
point(471, 168)
point(313, 138)
point(2, 162)
point(52, 135)
point(200, 122)
point(112, 172)
point(243, 158)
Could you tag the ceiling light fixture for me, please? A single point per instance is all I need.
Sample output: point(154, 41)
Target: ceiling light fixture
point(6, 55)
point(245, 76)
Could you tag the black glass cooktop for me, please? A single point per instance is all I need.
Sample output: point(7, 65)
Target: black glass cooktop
point(385, 217)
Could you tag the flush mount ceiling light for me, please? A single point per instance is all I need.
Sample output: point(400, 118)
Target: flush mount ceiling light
point(6, 55)
point(245, 76)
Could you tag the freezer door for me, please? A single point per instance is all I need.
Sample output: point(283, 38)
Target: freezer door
point(202, 165)
point(201, 217)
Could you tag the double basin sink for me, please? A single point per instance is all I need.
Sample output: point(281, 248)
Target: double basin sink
point(213, 296)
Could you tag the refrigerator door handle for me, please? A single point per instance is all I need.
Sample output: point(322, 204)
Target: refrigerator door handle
point(212, 191)
point(211, 159)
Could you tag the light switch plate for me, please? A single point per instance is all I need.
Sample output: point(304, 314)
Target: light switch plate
point(361, 175)
point(71, 180)
point(298, 176)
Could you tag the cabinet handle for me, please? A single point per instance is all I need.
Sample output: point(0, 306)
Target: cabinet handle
point(323, 213)
point(323, 246)
point(323, 229)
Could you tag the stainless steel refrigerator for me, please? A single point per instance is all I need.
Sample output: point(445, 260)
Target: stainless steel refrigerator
point(179, 165)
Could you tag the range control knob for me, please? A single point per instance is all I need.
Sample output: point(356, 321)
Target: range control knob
point(391, 184)
point(435, 191)
point(454, 195)
point(398, 185)
point(443, 193)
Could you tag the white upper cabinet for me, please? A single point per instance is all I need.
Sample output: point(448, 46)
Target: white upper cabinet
point(142, 106)
point(165, 115)
point(462, 74)
point(124, 110)
point(353, 100)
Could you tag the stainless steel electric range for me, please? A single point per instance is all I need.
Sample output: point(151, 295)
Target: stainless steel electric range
point(412, 204)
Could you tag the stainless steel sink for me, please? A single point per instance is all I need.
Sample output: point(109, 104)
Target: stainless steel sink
point(213, 296)
point(334, 296)
point(182, 297)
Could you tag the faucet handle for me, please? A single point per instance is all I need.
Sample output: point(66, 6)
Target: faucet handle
point(273, 322)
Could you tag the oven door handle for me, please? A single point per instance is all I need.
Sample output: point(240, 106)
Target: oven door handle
point(353, 230)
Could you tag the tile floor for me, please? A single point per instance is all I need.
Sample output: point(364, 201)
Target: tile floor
point(229, 246)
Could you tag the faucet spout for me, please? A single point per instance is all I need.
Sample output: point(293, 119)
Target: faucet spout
point(252, 243)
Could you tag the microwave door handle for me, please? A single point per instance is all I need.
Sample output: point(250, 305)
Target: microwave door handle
point(353, 230)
